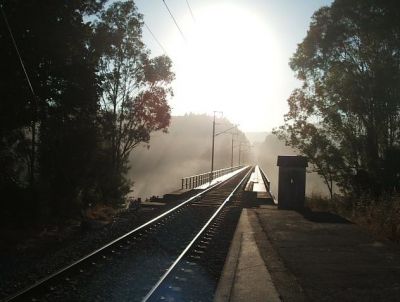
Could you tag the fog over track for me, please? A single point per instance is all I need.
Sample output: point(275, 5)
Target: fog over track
point(186, 150)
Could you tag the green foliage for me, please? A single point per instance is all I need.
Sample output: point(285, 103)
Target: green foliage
point(97, 95)
point(381, 216)
point(47, 138)
point(135, 87)
point(346, 116)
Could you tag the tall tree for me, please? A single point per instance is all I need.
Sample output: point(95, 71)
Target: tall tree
point(135, 86)
point(346, 116)
point(62, 69)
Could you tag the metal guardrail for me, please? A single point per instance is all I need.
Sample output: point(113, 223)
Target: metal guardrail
point(194, 181)
point(266, 180)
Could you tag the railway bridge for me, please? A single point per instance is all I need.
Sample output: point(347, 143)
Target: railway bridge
point(223, 236)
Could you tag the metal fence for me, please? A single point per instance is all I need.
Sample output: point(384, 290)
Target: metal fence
point(266, 180)
point(200, 179)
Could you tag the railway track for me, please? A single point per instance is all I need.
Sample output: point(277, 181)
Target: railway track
point(158, 260)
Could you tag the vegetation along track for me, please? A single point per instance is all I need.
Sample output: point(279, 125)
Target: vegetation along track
point(127, 268)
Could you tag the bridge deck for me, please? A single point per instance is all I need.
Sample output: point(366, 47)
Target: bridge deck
point(183, 193)
point(256, 186)
point(220, 179)
point(257, 180)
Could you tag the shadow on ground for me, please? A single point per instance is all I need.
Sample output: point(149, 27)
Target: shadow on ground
point(323, 217)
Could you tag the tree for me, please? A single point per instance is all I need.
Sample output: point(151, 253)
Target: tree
point(54, 131)
point(346, 116)
point(135, 87)
point(97, 94)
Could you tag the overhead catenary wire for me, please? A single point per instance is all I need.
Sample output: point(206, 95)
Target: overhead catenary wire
point(34, 101)
point(17, 51)
point(155, 38)
point(173, 18)
point(190, 9)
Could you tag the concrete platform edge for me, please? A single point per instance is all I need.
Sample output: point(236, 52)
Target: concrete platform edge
point(227, 278)
point(245, 276)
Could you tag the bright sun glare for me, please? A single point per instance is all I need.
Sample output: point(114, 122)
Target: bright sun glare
point(229, 63)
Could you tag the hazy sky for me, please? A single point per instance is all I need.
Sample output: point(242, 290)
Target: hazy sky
point(236, 54)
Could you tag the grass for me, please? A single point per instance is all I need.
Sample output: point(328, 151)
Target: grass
point(101, 212)
point(380, 217)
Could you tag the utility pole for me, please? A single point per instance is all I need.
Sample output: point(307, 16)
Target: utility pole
point(240, 147)
point(212, 148)
point(233, 133)
point(232, 153)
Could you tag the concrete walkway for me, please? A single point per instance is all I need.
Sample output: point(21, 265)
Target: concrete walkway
point(281, 255)
point(245, 276)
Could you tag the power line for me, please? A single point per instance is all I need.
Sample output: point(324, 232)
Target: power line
point(176, 23)
point(155, 38)
point(190, 9)
point(17, 51)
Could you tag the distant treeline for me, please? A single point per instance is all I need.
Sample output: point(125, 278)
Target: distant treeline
point(346, 116)
point(78, 91)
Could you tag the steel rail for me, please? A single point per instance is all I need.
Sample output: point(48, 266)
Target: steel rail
point(156, 286)
point(97, 251)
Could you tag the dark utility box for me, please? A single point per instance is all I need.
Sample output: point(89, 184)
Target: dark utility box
point(292, 182)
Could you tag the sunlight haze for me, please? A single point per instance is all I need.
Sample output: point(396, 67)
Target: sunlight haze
point(233, 57)
point(217, 70)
